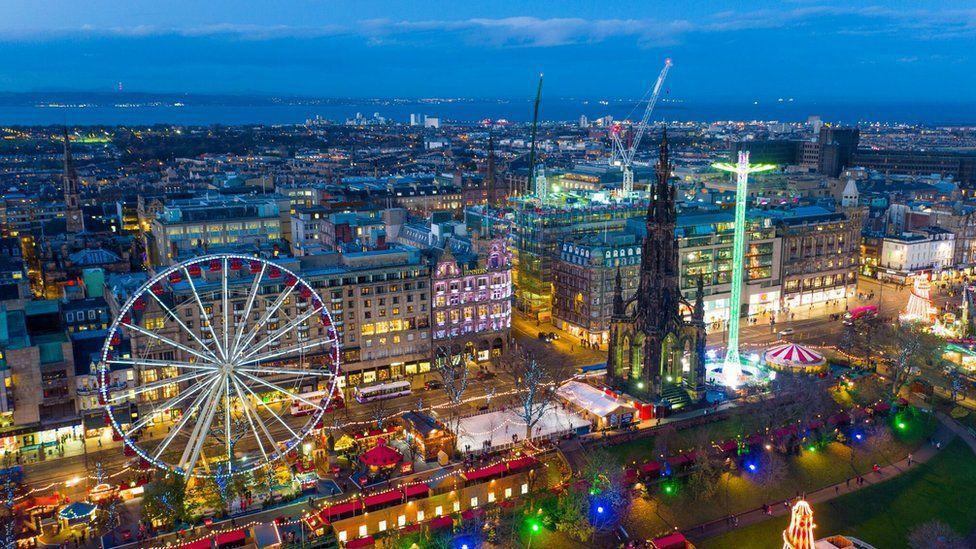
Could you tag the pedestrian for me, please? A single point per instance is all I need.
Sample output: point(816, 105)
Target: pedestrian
point(909, 459)
point(848, 483)
point(836, 489)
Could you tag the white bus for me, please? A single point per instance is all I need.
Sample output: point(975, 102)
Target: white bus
point(299, 408)
point(383, 390)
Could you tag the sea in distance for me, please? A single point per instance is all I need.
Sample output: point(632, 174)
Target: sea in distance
point(146, 109)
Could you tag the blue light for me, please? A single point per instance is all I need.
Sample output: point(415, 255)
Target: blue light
point(752, 467)
point(599, 509)
point(859, 436)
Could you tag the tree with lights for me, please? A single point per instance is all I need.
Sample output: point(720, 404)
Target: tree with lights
point(164, 499)
point(799, 535)
point(452, 367)
point(535, 375)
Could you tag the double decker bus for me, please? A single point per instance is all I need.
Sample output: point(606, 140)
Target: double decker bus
point(299, 408)
point(382, 391)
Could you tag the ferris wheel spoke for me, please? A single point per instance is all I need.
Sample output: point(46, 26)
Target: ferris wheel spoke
point(170, 404)
point(291, 371)
point(255, 286)
point(227, 436)
point(245, 405)
point(159, 363)
point(186, 329)
point(194, 445)
point(203, 313)
point(283, 352)
point(284, 330)
point(167, 341)
point(223, 283)
point(282, 390)
point(160, 383)
point(264, 320)
point(273, 413)
point(176, 429)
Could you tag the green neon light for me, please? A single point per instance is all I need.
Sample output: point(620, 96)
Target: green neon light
point(742, 169)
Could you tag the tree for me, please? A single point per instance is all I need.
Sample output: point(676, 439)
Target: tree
point(707, 469)
point(535, 375)
point(900, 350)
point(935, 534)
point(607, 487)
point(452, 367)
point(571, 515)
point(164, 499)
point(770, 470)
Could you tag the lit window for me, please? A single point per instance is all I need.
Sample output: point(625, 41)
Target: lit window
point(402, 521)
point(363, 531)
point(420, 516)
point(474, 501)
point(382, 526)
point(491, 497)
point(508, 492)
point(525, 488)
point(439, 510)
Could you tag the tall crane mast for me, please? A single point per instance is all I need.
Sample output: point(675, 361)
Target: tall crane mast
point(626, 154)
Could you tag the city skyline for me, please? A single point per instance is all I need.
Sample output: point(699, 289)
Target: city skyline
point(822, 51)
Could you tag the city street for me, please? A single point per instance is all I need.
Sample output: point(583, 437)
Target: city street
point(810, 325)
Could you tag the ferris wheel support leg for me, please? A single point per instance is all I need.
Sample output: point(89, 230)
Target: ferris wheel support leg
point(200, 431)
point(183, 421)
point(169, 405)
point(246, 404)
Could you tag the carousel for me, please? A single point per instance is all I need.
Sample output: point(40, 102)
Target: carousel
point(790, 357)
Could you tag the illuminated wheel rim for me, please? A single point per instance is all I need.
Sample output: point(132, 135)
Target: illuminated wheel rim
point(221, 347)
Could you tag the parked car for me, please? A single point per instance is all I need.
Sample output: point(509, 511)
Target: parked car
point(433, 384)
point(786, 332)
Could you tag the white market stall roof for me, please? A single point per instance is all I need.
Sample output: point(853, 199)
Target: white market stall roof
point(592, 399)
point(497, 428)
point(790, 354)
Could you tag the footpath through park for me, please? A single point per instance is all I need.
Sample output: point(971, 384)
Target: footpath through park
point(948, 429)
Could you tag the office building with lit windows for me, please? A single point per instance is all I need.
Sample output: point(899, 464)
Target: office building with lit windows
point(586, 266)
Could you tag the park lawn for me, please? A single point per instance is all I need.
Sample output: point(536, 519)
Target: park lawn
point(883, 515)
point(828, 464)
point(641, 450)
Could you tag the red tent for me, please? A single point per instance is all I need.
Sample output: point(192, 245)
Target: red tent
point(440, 522)
point(381, 455)
point(671, 541)
point(368, 541)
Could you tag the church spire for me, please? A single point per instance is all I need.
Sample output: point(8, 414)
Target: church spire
point(74, 220)
point(661, 207)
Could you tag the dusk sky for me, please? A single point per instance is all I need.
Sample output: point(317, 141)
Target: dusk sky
point(893, 51)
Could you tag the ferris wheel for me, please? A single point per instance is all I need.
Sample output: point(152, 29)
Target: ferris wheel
point(234, 359)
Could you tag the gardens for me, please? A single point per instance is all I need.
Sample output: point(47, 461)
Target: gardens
point(888, 513)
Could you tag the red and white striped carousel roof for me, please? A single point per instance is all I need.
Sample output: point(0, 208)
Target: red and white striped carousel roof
point(791, 352)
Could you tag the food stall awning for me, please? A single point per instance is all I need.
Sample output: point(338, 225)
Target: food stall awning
point(234, 536)
point(367, 541)
point(414, 490)
point(472, 513)
point(441, 522)
point(485, 472)
point(382, 498)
